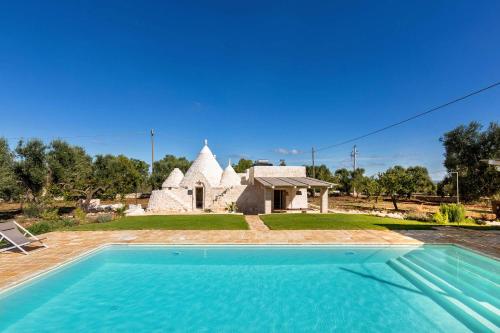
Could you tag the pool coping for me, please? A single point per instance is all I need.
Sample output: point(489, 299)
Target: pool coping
point(37, 275)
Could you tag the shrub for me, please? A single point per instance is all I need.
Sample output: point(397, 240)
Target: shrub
point(68, 223)
point(40, 227)
point(45, 226)
point(422, 217)
point(33, 210)
point(231, 207)
point(470, 220)
point(80, 215)
point(440, 217)
point(455, 212)
point(104, 218)
point(50, 214)
point(121, 211)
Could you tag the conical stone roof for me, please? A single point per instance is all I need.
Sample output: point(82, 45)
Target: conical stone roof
point(174, 179)
point(206, 165)
point(229, 177)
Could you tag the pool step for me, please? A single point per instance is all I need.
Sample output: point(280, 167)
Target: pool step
point(483, 288)
point(475, 259)
point(439, 291)
point(480, 269)
point(486, 310)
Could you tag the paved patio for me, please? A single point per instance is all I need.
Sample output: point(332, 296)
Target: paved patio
point(63, 246)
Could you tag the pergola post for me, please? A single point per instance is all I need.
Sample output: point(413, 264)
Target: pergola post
point(323, 208)
point(268, 200)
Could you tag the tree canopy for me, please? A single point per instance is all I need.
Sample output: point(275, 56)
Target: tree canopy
point(465, 147)
point(118, 174)
point(343, 177)
point(31, 168)
point(397, 182)
point(71, 169)
point(9, 188)
point(242, 165)
point(321, 172)
point(163, 168)
point(394, 182)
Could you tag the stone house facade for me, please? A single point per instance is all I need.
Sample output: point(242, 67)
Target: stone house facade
point(261, 189)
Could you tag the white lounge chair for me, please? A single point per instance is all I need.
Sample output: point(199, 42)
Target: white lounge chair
point(11, 232)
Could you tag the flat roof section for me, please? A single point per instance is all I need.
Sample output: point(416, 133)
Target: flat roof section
point(292, 182)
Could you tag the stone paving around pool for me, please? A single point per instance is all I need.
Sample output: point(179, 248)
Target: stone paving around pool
point(66, 245)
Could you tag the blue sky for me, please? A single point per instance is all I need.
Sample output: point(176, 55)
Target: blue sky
point(257, 79)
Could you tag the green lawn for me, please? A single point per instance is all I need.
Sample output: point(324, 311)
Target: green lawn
point(343, 221)
point(170, 222)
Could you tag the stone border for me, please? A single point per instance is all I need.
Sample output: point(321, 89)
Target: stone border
point(33, 277)
point(38, 275)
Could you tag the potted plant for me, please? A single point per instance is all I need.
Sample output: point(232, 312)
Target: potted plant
point(231, 207)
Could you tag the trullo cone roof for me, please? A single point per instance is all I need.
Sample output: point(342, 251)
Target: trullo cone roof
point(229, 177)
point(174, 179)
point(207, 165)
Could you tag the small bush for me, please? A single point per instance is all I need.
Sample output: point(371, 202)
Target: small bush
point(470, 220)
point(440, 217)
point(455, 212)
point(33, 210)
point(50, 214)
point(231, 207)
point(69, 222)
point(80, 215)
point(121, 211)
point(104, 218)
point(40, 227)
point(45, 226)
point(422, 217)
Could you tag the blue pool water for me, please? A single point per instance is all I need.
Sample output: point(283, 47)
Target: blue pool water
point(262, 289)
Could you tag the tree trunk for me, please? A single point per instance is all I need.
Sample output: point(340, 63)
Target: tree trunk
point(88, 196)
point(394, 202)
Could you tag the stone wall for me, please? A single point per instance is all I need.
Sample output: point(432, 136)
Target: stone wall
point(294, 200)
point(248, 198)
point(168, 200)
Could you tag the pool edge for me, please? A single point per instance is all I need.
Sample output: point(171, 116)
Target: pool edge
point(101, 247)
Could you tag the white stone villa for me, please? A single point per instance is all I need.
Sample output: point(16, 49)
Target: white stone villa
point(261, 189)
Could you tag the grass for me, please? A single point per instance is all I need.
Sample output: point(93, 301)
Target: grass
point(170, 222)
point(345, 222)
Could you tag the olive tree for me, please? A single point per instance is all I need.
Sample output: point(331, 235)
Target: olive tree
point(242, 165)
point(163, 168)
point(465, 147)
point(394, 181)
point(9, 187)
point(31, 167)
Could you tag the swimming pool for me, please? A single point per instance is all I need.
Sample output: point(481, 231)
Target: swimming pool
point(261, 289)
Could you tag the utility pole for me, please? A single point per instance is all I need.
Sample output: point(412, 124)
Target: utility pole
point(152, 149)
point(313, 168)
point(354, 155)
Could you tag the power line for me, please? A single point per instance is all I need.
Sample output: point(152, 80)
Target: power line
point(412, 117)
point(118, 135)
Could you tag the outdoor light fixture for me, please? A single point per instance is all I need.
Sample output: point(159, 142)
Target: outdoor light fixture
point(458, 197)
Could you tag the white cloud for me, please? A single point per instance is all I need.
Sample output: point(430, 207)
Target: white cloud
point(284, 151)
point(238, 156)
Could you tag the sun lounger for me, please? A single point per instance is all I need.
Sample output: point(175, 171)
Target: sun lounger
point(17, 236)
